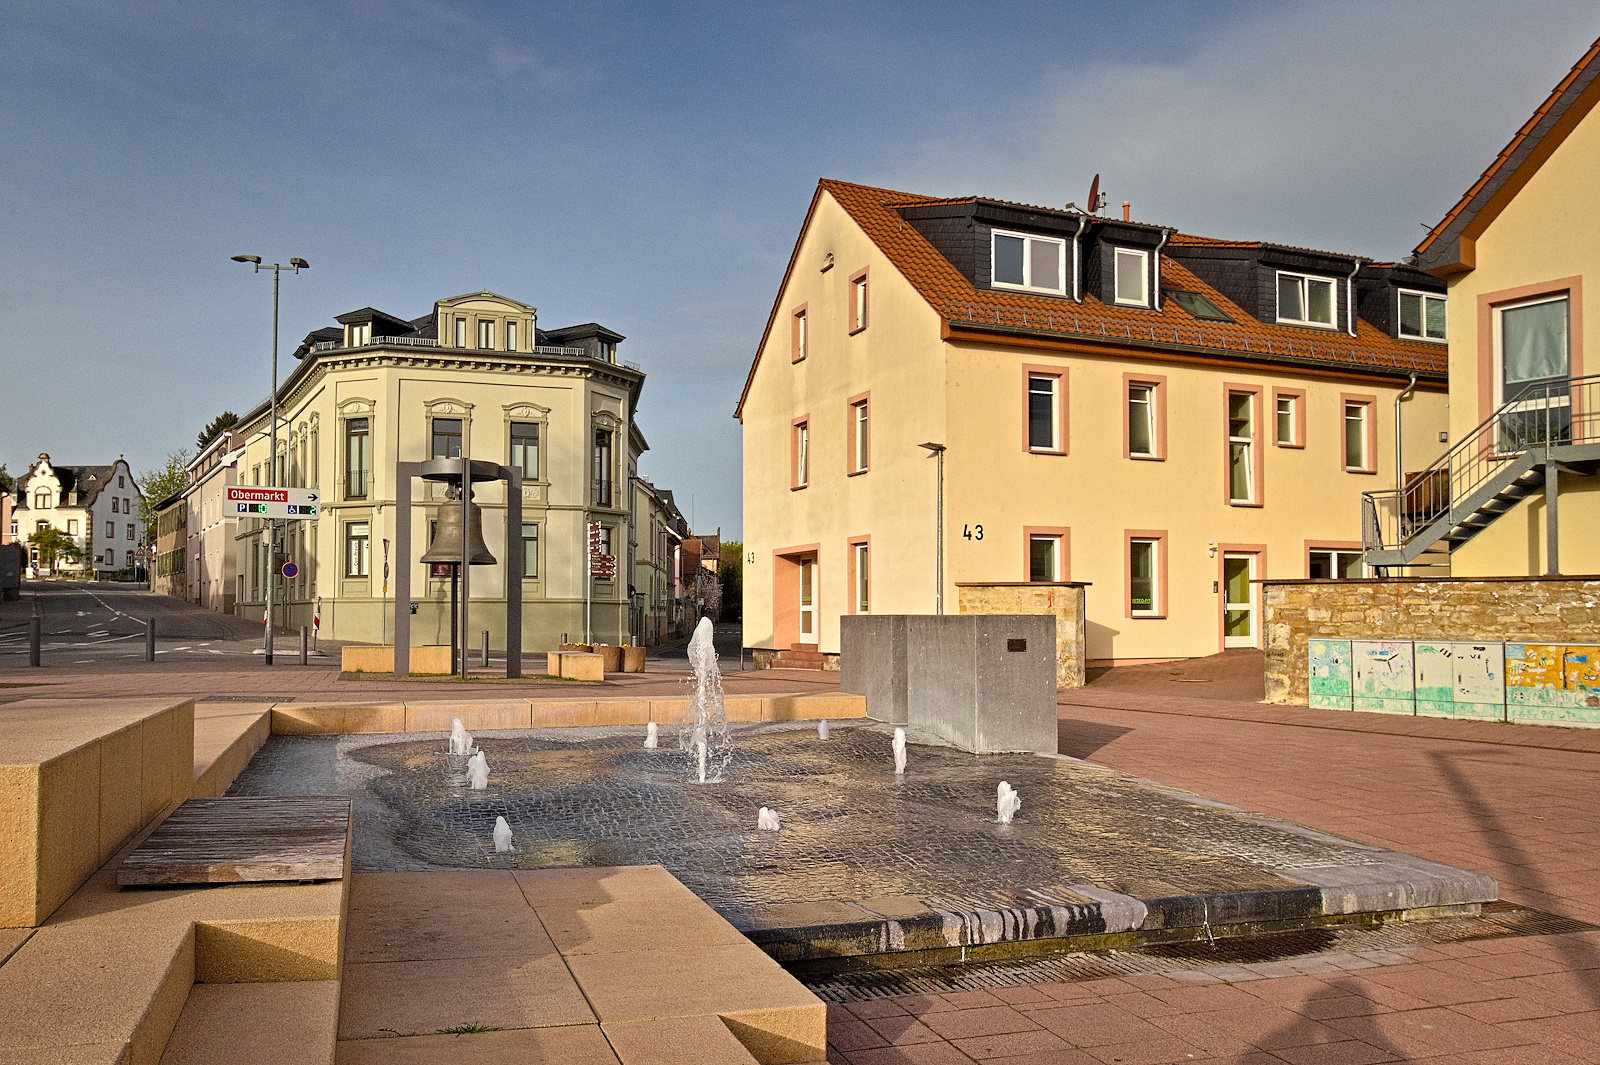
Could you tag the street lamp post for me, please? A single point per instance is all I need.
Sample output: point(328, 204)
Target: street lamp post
point(938, 594)
point(294, 267)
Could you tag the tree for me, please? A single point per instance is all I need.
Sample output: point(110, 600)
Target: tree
point(730, 567)
point(7, 482)
point(160, 483)
point(215, 428)
point(54, 544)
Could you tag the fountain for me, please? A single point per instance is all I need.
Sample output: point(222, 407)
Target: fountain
point(1007, 803)
point(899, 752)
point(478, 772)
point(460, 739)
point(502, 837)
point(650, 736)
point(822, 728)
point(767, 820)
point(703, 732)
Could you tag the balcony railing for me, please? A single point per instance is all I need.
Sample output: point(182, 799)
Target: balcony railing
point(430, 342)
point(1542, 416)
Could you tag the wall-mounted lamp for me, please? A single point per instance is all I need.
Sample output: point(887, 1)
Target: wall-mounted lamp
point(827, 262)
point(1211, 548)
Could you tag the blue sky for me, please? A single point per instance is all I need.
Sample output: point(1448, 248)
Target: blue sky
point(647, 166)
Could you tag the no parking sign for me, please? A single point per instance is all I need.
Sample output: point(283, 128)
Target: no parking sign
point(290, 570)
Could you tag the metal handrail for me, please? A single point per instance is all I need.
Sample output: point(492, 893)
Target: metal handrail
point(1541, 416)
point(1218, 336)
point(430, 342)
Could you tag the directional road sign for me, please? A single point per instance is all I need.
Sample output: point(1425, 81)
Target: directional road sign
point(257, 502)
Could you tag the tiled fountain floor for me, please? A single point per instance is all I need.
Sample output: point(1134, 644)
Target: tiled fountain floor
point(853, 835)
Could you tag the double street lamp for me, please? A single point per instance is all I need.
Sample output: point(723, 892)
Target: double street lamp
point(294, 267)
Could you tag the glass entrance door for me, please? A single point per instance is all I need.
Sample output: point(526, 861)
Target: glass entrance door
point(808, 600)
point(1238, 601)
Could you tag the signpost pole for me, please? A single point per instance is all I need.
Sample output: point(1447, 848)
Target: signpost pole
point(588, 578)
point(383, 610)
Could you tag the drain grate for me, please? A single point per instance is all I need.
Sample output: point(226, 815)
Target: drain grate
point(1498, 920)
point(244, 699)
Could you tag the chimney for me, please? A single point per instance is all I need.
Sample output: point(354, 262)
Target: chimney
point(1127, 210)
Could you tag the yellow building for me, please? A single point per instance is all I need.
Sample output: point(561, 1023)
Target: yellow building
point(475, 378)
point(1163, 416)
point(1516, 495)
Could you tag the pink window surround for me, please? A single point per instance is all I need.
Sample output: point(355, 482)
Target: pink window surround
point(852, 425)
point(1489, 302)
point(850, 547)
point(860, 301)
point(1063, 439)
point(1298, 395)
point(1160, 538)
point(1063, 537)
point(1371, 428)
point(1158, 415)
point(799, 333)
point(1257, 451)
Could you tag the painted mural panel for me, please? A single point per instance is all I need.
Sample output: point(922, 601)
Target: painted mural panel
point(1435, 679)
point(1481, 680)
point(1330, 674)
point(1555, 683)
point(1381, 676)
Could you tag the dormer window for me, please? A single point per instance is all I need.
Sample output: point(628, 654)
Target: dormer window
point(360, 334)
point(1133, 277)
point(461, 332)
point(486, 334)
point(1421, 316)
point(511, 336)
point(1305, 300)
point(1037, 264)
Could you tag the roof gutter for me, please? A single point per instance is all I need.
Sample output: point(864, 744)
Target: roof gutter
point(1399, 465)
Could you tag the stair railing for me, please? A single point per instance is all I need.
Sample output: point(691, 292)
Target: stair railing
point(1546, 414)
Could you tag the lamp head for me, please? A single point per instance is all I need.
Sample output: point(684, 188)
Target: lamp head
point(253, 259)
point(935, 448)
point(299, 264)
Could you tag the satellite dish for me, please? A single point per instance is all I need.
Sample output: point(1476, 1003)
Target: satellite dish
point(1094, 194)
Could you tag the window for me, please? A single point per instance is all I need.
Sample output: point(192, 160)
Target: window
point(357, 549)
point(1141, 420)
point(1421, 316)
point(797, 336)
point(486, 333)
point(41, 499)
point(111, 530)
point(120, 481)
point(800, 454)
point(130, 532)
point(861, 578)
point(1197, 305)
point(859, 439)
point(461, 332)
point(1358, 430)
point(1241, 447)
point(116, 505)
point(111, 557)
point(129, 556)
point(72, 527)
point(358, 456)
point(1133, 276)
point(1021, 261)
point(858, 302)
point(1324, 565)
point(511, 336)
point(1045, 431)
point(1288, 408)
point(1044, 558)
point(1305, 300)
point(530, 549)
point(525, 448)
point(602, 468)
point(1145, 575)
point(447, 438)
point(360, 334)
point(39, 526)
point(1535, 364)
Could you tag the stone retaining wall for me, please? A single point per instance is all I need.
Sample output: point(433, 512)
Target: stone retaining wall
point(1493, 609)
point(1065, 601)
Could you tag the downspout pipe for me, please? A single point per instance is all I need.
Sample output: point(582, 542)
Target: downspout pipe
point(1399, 462)
point(1350, 305)
point(1166, 235)
point(1077, 293)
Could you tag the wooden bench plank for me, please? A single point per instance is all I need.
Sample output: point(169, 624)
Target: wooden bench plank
point(238, 840)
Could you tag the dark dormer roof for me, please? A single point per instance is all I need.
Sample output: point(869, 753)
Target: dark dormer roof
point(382, 324)
point(582, 332)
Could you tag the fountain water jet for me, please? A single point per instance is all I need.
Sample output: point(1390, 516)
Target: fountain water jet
point(899, 752)
point(502, 836)
point(767, 820)
point(822, 728)
point(650, 736)
point(703, 732)
point(1006, 803)
point(478, 772)
point(460, 739)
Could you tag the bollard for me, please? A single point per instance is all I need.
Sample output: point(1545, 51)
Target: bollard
point(35, 632)
point(149, 639)
point(303, 645)
point(485, 648)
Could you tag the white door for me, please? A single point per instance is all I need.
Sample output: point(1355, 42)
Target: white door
point(808, 600)
point(1238, 600)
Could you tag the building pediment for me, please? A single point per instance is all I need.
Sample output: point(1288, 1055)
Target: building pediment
point(486, 301)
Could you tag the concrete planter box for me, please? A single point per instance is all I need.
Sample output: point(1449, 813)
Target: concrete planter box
point(611, 656)
point(575, 665)
point(633, 659)
point(367, 659)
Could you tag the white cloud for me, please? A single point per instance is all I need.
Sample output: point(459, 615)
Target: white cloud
point(1340, 126)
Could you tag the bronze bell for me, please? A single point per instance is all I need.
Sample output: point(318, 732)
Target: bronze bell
point(446, 546)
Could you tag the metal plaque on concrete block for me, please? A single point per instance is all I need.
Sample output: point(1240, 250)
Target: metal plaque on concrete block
point(1330, 674)
point(1381, 677)
point(1553, 683)
point(1435, 678)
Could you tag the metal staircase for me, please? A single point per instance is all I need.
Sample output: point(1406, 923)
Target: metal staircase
point(1550, 428)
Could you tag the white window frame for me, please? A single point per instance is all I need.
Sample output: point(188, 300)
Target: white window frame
point(1149, 390)
point(1144, 276)
point(1399, 318)
point(861, 425)
point(1500, 346)
point(461, 331)
point(1027, 263)
point(1156, 590)
point(1334, 554)
point(802, 454)
point(485, 334)
point(1277, 420)
point(1333, 283)
point(1055, 412)
point(861, 594)
point(1054, 540)
point(511, 334)
point(1248, 443)
point(1365, 432)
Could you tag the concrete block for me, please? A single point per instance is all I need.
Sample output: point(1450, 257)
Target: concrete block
point(563, 713)
point(314, 720)
point(671, 711)
point(268, 949)
point(421, 997)
point(812, 707)
point(476, 717)
point(572, 1044)
point(985, 682)
point(621, 711)
point(676, 1041)
point(872, 663)
point(122, 785)
point(741, 709)
point(226, 1023)
point(578, 665)
point(633, 659)
point(385, 717)
point(431, 660)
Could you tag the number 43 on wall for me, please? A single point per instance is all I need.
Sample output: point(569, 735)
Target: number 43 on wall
point(972, 532)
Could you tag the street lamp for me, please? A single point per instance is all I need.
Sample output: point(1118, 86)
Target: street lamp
point(294, 267)
point(938, 594)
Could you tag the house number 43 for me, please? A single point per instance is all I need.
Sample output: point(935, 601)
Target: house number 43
point(972, 532)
